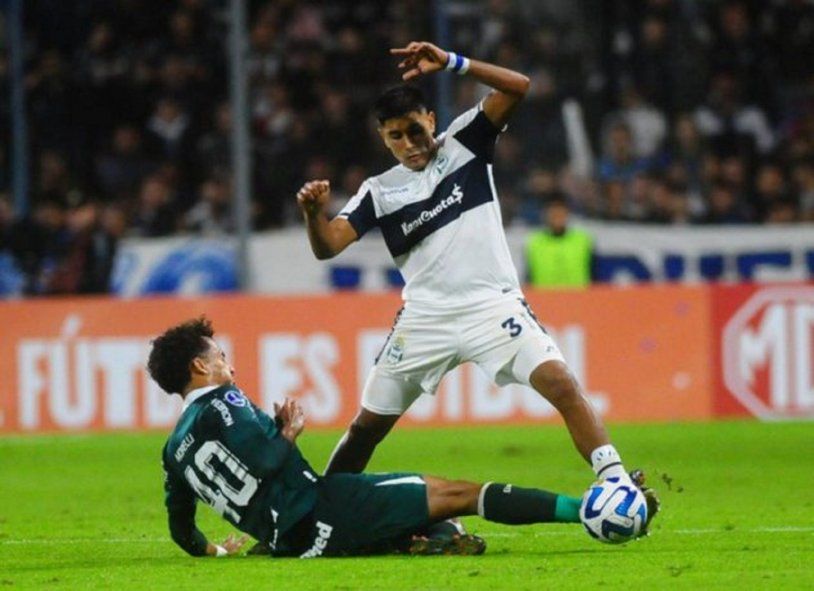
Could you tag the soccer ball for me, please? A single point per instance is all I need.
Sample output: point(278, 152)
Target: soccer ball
point(613, 510)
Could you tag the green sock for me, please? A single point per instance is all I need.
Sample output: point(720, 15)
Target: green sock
point(513, 505)
point(567, 510)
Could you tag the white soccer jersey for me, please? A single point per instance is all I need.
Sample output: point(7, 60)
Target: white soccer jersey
point(442, 224)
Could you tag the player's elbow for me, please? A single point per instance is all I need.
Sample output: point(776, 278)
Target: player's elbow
point(523, 85)
point(323, 254)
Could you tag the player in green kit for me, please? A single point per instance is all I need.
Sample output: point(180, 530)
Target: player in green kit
point(245, 464)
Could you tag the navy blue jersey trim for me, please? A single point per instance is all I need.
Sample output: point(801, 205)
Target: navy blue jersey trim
point(479, 137)
point(363, 218)
point(465, 188)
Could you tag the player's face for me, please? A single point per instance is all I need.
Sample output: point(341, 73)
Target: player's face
point(411, 138)
point(220, 372)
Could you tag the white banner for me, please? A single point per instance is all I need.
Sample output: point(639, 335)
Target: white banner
point(282, 262)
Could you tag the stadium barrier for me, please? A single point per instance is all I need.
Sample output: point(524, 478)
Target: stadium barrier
point(281, 261)
point(658, 353)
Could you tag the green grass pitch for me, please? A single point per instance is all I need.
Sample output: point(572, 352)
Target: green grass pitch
point(85, 512)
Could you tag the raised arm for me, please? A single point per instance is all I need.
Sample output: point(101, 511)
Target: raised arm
point(328, 237)
point(509, 87)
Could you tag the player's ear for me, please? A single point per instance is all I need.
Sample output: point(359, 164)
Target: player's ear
point(198, 366)
point(431, 121)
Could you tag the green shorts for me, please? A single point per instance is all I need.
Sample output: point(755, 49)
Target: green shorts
point(359, 512)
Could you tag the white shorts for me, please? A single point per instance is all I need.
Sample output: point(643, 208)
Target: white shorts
point(504, 339)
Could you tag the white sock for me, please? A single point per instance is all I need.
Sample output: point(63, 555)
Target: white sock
point(606, 462)
point(481, 494)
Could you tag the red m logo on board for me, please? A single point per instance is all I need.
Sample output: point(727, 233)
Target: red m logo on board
point(768, 353)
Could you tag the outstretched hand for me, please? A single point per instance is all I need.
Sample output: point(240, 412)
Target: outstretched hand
point(420, 57)
point(232, 544)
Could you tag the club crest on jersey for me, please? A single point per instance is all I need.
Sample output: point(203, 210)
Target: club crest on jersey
point(440, 162)
point(395, 350)
point(235, 398)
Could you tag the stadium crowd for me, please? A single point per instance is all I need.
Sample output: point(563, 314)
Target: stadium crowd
point(698, 112)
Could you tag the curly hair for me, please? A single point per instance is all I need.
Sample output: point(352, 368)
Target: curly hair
point(174, 350)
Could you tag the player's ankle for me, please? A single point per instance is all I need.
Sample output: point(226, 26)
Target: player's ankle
point(607, 463)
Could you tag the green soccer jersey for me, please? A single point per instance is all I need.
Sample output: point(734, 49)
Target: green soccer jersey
point(230, 454)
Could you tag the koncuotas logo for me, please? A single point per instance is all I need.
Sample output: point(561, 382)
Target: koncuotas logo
point(425, 216)
point(768, 353)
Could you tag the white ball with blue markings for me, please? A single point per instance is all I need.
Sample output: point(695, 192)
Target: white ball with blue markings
point(613, 510)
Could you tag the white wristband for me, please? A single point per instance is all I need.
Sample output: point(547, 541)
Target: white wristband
point(220, 551)
point(457, 63)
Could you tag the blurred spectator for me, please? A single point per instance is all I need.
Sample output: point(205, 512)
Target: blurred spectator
point(770, 190)
point(212, 215)
point(652, 61)
point(156, 213)
point(740, 52)
point(619, 162)
point(803, 176)
point(121, 168)
point(614, 202)
point(265, 55)
point(38, 242)
point(559, 255)
point(102, 67)
point(724, 206)
point(169, 129)
point(732, 126)
point(50, 99)
point(85, 265)
point(541, 187)
point(273, 112)
point(784, 211)
point(214, 147)
point(687, 149)
point(54, 179)
point(660, 207)
point(647, 125)
point(793, 31)
point(352, 179)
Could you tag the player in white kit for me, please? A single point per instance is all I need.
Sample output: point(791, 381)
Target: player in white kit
point(440, 218)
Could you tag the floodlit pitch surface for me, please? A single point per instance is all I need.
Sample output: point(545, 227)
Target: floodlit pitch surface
point(85, 512)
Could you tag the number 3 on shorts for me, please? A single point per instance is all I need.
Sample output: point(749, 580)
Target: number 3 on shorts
point(512, 326)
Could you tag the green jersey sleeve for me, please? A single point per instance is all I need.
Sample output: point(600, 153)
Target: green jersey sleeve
point(181, 502)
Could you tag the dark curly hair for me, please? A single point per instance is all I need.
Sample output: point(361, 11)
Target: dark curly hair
point(174, 350)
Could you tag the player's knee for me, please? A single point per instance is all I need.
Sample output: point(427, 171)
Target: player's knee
point(459, 496)
point(454, 490)
point(557, 384)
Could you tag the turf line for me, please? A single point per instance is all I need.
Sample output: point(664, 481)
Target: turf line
point(501, 534)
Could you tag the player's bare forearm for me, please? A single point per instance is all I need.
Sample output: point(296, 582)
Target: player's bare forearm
point(327, 238)
point(319, 235)
point(510, 88)
point(501, 79)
